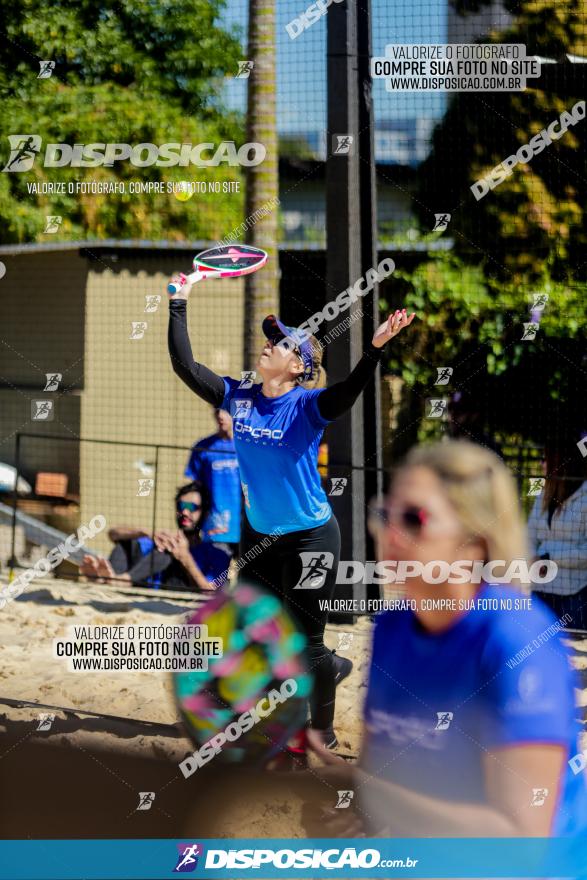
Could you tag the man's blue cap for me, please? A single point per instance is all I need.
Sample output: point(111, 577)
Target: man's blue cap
point(275, 329)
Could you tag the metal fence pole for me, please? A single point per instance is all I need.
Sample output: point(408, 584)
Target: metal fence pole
point(368, 205)
point(345, 266)
point(13, 562)
point(154, 520)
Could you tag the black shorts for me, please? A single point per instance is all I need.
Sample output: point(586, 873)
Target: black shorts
point(299, 567)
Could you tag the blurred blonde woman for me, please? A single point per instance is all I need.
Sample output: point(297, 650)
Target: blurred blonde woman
point(469, 721)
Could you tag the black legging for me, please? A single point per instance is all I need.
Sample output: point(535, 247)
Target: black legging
point(142, 568)
point(279, 568)
point(128, 557)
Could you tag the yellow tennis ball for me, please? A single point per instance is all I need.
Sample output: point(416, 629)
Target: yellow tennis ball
point(184, 192)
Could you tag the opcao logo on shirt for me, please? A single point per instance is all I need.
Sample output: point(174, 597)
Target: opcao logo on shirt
point(409, 729)
point(226, 463)
point(258, 433)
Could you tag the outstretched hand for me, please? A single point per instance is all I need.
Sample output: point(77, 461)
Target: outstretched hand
point(392, 327)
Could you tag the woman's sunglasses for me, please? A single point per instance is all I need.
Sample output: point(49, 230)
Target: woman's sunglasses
point(410, 518)
point(188, 505)
point(275, 340)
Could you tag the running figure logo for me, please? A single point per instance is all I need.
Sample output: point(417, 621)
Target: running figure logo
point(437, 408)
point(536, 485)
point(47, 68)
point(152, 302)
point(53, 222)
point(530, 331)
point(315, 567)
point(53, 380)
point(146, 799)
point(444, 374)
point(247, 379)
point(342, 145)
point(24, 148)
point(46, 720)
point(242, 408)
point(337, 485)
point(145, 487)
point(539, 795)
point(244, 69)
point(344, 799)
point(441, 221)
point(540, 300)
point(42, 410)
point(344, 641)
point(137, 329)
point(444, 719)
point(188, 855)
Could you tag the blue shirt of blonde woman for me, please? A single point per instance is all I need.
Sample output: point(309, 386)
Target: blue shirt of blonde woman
point(437, 703)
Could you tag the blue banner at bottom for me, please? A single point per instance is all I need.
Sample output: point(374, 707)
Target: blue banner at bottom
point(222, 858)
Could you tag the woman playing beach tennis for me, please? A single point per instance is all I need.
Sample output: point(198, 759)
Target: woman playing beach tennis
point(470, 722)
point(278, 423)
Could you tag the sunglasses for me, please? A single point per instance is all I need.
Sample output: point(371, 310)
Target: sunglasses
point(188, 505)
point(410, 518)
point(275, 340)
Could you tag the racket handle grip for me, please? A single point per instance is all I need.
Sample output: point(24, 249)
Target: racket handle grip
point(173, 288)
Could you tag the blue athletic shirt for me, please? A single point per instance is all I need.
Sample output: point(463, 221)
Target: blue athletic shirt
point(212, 562)
point(276, 441)
point(213, 462)
point(436, 702)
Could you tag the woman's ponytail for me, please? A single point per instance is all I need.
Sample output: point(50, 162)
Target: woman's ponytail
point(318, 379)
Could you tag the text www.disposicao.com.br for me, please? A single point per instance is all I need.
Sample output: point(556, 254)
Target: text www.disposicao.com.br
point(142, 664)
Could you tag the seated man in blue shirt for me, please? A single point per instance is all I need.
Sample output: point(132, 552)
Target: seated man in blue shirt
point(213, 463)
point(176, 560)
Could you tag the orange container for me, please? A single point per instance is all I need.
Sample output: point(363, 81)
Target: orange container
point(51, 484)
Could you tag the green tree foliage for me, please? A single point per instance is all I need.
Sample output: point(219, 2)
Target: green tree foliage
point(130, 71)
point(464, 323)
point(534, 220)
point(525, 236)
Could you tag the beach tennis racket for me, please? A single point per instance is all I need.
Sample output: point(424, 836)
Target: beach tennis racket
point(229, 261)
point(263, 665)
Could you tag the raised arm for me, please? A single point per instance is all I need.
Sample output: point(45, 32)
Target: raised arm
point(339, 398)
point(206, 384)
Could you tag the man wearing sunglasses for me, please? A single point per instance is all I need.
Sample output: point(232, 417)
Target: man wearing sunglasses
point(175, 560)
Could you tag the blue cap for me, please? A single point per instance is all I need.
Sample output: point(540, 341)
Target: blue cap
point(273, 328)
